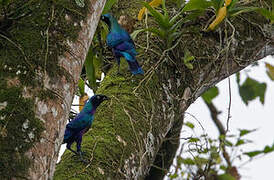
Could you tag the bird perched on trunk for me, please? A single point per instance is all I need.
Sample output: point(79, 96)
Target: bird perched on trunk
point(121, 43)
point(76, 128)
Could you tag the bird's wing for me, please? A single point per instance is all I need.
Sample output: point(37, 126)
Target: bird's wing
point(115, 38)
point(78, 124)
point(81, 121)
point(126, 47)
point(127, 50)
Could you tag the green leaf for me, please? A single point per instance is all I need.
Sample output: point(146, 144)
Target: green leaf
point(210, 94)
point(179, 160)
point(108, 5)
point(225, 176)
point(80, 3)
point(238, 78)
point(174, 18)
point(253, 153)
point(190, 125)
point(81, 86)
point(162, 21)
point(252, 89)
point(136, 32)
point(189, 66)
point(240, 142)
point(193, 15)
point(268, 149)
point(188, 58)
point(90, 69)
point(217, 4)
point(157, 32)
point(200, 161)
point(193, 140)
point(228, 143)
point(270, 71)
point(222, 167)
point(266, 13)
point(245, 131)
point(188, 161)
point(239, 10)
point(173, 176)
point(197, 4)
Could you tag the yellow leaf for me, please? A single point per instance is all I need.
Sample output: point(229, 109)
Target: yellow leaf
point(227, 2)
point(82, 101)
point(219, 18)
point(154, 3)
point(270, 70)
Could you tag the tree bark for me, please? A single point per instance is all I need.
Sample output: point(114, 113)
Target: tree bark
point(135, 135)
point(43, 45)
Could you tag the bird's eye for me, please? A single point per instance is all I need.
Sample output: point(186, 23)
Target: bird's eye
point(98, 97)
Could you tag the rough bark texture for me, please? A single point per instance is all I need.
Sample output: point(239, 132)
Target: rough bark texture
point(131, 137)
point(41, 58)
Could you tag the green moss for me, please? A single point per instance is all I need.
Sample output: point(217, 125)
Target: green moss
point(19, 130)
point(30, 44)
point(114, 136)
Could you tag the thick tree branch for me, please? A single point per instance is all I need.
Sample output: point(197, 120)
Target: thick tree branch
point(128, 136)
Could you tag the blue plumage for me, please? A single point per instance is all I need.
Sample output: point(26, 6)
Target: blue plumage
point(122, 45)
point(76, 128)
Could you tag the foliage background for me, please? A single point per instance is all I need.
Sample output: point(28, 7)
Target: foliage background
point(251, 116)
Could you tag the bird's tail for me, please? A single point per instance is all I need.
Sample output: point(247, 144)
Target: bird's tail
point(135, 68)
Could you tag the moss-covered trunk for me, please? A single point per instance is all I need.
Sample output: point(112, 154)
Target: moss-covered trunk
point(135, 135)
point(43, 44)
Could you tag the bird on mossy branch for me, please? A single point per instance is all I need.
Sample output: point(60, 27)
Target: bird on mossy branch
point(122, 45)
point(76, 128)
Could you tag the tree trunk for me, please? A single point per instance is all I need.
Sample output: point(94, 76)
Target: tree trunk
point(43, 45)
point(135, 135)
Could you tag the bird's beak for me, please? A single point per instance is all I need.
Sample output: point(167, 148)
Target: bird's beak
point(103, 18)
point(106, 98)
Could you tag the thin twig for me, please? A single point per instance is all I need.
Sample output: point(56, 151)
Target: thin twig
point(21, 50)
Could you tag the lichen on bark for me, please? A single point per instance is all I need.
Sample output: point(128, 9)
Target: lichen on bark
point(33, 35)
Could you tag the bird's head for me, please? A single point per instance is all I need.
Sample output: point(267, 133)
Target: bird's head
point(97, 99)
point(108, 19)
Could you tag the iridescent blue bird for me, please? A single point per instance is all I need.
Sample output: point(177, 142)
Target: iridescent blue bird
point(121, 43)
point(76, 128)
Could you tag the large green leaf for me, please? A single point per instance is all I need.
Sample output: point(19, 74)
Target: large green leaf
point(197, 4)
point(225, 177)
point(239, 10)
point(108, 5)
point(210, 94)
point(90, 69)
point(162, 21)
point(266, 13)
point(217, 4)
point(252, 89)
point(81, 86)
